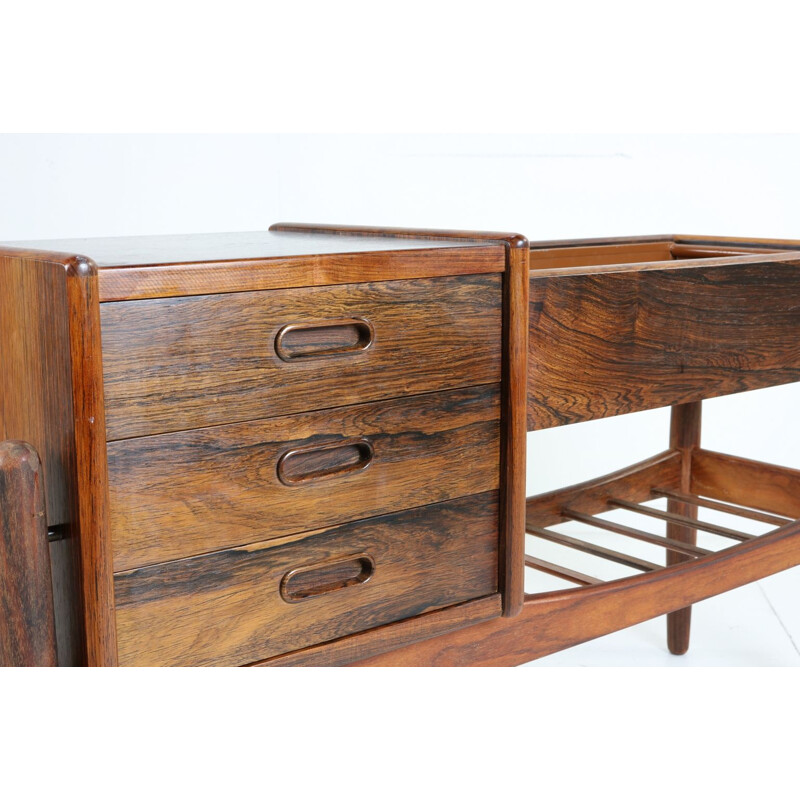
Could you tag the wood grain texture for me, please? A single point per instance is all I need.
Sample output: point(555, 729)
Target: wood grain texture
point(601, 241)
point(661, 337)
point(634, 483)
point(232, 246)
point(744, 482)
point(677, 238)
point(90, 494)
point(185, 493)
point(36, 407)
point(680, 251)
point(514, 437)
point(35, 401)
point(164, 359)
point(225, 608)
point(561, 257)
point(554, 621)
point(27, 618)
point(755, 256)
point(685, 425)
point(46, 346)
point(373, 642)
point(738, 242)
point(513, 442)
point(165, 280)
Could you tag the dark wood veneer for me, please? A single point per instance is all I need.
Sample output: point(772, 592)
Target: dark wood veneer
point(190, 362)
point(515, 346)
point(180, 494)
point(226, 607)
point(53, 399)
point(659, 337)
point(27, 618)
point(316, 440)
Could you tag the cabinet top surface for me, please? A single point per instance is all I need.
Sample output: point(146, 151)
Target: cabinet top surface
point(243, 246)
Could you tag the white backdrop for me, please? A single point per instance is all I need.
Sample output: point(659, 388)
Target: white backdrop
point(542, 186)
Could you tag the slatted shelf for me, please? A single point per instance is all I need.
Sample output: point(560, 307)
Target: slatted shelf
point(681, 519)
point(634, 533)
point(630, 490)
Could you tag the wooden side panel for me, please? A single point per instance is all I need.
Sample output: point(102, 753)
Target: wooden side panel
point(27, 621)
point(35, 398)
point(174, 364)
point(36, 407)
point(226, 608)
point(748, 483)
point(180, 494)
point(608, 344)
point(635, 253)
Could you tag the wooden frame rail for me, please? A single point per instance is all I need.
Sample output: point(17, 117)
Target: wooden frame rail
point(554, 620)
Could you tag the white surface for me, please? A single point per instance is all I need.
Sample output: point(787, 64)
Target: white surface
point(543, 186)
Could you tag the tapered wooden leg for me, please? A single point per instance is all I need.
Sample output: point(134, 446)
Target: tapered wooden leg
point(27, 623)
point(685, 435)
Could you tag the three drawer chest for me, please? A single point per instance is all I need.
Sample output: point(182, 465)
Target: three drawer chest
point(253, 444)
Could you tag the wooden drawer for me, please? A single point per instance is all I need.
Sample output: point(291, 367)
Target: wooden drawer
point(188, 362)
point(180, 494)
point(242, 605)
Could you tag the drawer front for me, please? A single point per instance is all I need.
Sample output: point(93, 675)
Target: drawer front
point(239, 606)
point(178, 363)
point(179, 494)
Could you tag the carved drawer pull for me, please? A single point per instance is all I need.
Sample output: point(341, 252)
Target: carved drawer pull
point(301, 465)
point(333, 337)
point(305, 583)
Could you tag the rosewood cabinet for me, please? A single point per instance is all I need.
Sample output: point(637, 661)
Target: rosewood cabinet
point(307, 445)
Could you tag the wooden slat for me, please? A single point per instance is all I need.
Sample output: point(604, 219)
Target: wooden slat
point(733, 241)
point(634, 533)
point(679, 251)
point(728, 508)
point(680, 519)
point(571, 575)
point(593, 549)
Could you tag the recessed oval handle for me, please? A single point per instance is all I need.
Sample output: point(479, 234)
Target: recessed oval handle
point(315, 580)
point(333, 337)
point(301, 465)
